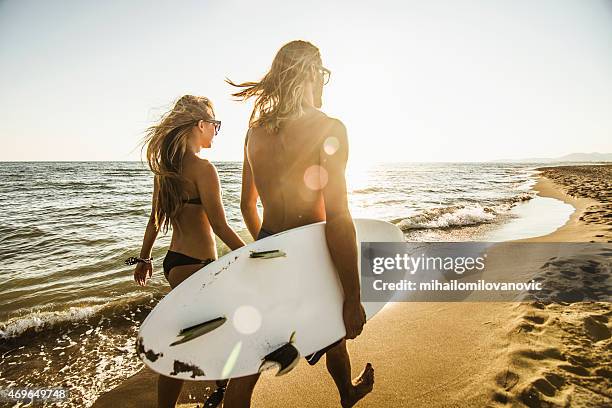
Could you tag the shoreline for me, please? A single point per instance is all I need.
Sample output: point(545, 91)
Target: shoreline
point(558, 354)
point(575, 229)
point(453, 354)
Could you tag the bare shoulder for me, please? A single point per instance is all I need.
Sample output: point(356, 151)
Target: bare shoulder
point(326, 125)
point(336, 126)
point(333, 128)
point(252, 134)
point(197, 169)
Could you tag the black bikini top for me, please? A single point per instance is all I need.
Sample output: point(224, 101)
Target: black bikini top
point(195, 200)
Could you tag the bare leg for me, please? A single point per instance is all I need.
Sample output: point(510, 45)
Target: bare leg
point(180, 273)
point(168, 391)
point(239, 392)
point(339, 366)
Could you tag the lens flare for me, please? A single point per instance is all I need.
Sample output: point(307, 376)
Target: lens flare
point(315, 177)
point(247, 319)
point(231, 360)
point(331, 145)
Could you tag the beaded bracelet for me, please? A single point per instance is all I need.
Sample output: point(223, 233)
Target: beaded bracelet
point(134, 260)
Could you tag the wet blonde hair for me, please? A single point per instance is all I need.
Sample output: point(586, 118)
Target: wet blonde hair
point(280, 92)
point(166, 144)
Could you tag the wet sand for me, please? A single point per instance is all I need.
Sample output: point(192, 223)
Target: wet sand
point(466, 354)
point(589, 190)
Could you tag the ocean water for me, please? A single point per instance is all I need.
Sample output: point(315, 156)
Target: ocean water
point(69, 308)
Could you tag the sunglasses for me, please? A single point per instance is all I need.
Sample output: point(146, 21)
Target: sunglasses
point(217, 124)
point(326, 74)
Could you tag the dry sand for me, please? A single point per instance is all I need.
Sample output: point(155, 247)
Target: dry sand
point(463, 354)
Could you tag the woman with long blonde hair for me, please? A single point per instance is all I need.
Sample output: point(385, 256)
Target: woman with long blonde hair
point(186, 197)
point(294, 161)
point(280, 96)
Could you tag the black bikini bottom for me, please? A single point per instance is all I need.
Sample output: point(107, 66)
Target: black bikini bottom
point(263, 233)
point(174, 259)
point(316, 356)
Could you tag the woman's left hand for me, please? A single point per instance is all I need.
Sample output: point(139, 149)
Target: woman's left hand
point(142, 273)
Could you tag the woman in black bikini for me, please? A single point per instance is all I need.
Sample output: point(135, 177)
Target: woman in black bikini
point(186, 196)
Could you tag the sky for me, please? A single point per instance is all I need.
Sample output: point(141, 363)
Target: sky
point(413, 81)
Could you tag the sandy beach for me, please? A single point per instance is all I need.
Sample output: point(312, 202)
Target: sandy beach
point(468, 354)
point(589, 190)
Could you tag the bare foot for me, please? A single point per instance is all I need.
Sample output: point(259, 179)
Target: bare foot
point(362, 385)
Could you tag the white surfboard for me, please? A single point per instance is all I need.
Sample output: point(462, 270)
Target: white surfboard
point(256, 307)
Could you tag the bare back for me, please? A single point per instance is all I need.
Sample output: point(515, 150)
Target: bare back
point(287, 171)
point(191, 232)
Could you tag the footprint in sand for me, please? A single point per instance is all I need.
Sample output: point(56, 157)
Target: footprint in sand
point(555, 379)
point(531, 396)
point(545, 391)
point(596, 329)
point(531, 323)
point(574, 279)
point(580, 361)
point(506, 380)
point(545, 387)
point(547, 353)
point(575, 369)
point(536, 319)
point(604, 372)
point(525, 328)
point(600, 318)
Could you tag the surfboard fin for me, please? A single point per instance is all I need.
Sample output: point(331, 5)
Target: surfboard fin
point(198, 330)
point(285, 358)
point(274, 253)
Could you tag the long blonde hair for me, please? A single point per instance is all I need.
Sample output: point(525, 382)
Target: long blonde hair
point(166, 144)
point(280, 92)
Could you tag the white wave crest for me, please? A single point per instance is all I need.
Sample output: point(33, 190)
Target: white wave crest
point(447, 217)
point(39, 320)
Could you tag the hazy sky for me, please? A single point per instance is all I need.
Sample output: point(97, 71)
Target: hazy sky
point(412, 80)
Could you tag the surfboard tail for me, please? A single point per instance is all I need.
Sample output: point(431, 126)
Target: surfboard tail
point(285, 358)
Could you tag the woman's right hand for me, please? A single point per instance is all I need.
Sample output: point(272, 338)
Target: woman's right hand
point(142, 273)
